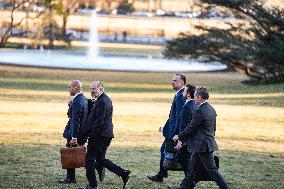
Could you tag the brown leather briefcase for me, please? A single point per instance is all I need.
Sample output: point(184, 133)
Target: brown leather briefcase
point(73, 157)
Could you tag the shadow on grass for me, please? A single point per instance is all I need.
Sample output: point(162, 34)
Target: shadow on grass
point(51, 86)
point(275, 101)
point(38, 166)
point(248, 89)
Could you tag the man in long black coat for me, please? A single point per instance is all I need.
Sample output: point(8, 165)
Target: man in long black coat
point(99, 123)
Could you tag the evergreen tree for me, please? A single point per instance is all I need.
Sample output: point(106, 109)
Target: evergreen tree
point(256, 49)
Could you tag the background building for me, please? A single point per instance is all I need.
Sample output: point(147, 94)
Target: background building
point(144, 5)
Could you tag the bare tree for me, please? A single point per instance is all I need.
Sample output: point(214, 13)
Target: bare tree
point(11, 22)
point(69, 7)
point(13, 18)
point(193, 4)
point(109, 4)
point(159, 4)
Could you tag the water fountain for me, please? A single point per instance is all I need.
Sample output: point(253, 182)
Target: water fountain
point(93, 51)
point(93, 60)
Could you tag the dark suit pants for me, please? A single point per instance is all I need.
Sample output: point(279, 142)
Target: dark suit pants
point(95, 158)
point(70, 172)
point(183, 157)
point(207, 160)
point(162, 172)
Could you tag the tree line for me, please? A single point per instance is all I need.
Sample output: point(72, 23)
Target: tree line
point(45, 26)
point(254, 47)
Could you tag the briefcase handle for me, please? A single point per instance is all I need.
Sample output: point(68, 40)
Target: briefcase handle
point(74, 145)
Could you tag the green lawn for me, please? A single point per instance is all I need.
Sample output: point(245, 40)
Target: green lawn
point(250, 127)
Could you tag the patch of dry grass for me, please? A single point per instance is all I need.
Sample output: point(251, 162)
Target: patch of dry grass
point(33, 109)
point(17, 73)
point(240, 128)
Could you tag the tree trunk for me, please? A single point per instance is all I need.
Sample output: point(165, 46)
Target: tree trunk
point(6, 36)
point(2, 42)
point(64, 23)
point(51, 38)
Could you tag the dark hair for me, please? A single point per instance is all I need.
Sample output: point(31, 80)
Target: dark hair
point(182, 77)
point(190, 90)
point(202, 92)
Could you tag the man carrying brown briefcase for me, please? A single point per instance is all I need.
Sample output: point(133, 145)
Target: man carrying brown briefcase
point(73, 157)
point(77, 114)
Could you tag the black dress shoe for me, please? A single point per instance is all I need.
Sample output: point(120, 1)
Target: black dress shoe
point(168, 187)
point(102, 173)
point(125, 177)
point(156, 178)
point(66, 181)
point(88, 187)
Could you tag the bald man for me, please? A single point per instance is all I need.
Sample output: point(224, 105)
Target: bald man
point(77, 114)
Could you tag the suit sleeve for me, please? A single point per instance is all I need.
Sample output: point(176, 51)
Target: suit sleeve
point(185, 118)
point(76, 118)
point(193, 125)
point(173, 123)
point(179, 106)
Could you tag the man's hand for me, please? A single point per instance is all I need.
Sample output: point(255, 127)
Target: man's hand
point(73, 142)
point(175, 138)
point(179, 145)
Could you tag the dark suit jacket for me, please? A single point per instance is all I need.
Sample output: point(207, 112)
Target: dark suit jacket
point(172, 123)
point(186, 115)
point(77, 114)
point(200, 133)
point(99, 120)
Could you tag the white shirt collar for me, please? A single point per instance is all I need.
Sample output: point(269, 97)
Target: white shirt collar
point(95, 98)
point(179, 90)
point(203, 103)
point(187, 100)
point(77, 95)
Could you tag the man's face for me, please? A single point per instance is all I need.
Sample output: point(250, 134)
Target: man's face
point(185, 95)
point(72, 89)
point(95, 90)
point(197, 99)
point(177, 83)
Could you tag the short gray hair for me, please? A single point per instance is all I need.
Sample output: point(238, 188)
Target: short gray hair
point(202, 92)
point(99, 84)
point(77, 83)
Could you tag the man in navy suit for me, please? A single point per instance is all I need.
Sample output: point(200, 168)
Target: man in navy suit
point(171, 126)
point(77, 114)
point(99, 122)
point(185, 118)
point(200, 135)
